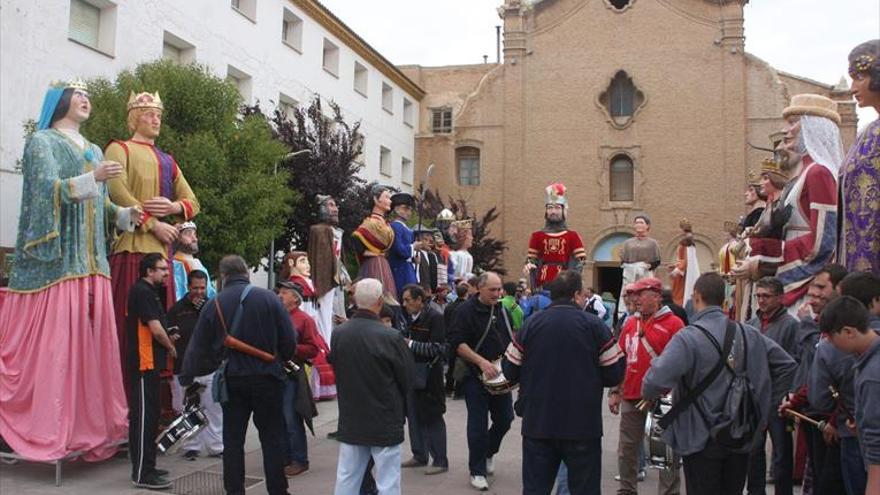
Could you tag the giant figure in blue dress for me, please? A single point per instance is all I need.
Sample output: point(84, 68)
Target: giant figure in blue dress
point(401, 255)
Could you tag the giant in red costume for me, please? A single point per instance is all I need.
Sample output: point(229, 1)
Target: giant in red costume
point(554, 248)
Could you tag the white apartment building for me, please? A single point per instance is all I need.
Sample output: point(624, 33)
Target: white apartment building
point(280, 52)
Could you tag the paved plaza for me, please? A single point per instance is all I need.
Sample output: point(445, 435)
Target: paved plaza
point(111, 477)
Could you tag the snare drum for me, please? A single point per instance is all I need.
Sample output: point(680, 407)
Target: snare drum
point(186, 425)
point(500, 384)
point(659, 454)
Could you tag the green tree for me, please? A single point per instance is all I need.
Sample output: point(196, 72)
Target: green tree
point(228, 159)
point(328, 167)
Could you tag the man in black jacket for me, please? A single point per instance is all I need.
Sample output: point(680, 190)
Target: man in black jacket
point(184, 315)
point(480, 332)
point(461, 291)
point(426, 337)
point(563, 358)
point(374, 372)
point(254, 386)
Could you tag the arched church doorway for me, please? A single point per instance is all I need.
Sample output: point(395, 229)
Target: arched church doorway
point(607, 274)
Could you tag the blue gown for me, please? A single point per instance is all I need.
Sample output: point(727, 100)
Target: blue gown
point(400, 256)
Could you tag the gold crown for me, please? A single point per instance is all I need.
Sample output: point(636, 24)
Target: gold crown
point(769, 165)
point(685, 225)
point(145, 100)
point(75, 83)
point(732, 227)
point(754, 178)
point(463, 224)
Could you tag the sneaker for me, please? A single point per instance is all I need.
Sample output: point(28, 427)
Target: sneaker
point(642, 475)
point(413, 462)
point(436, 470)
point(480, 483)
point(152, 482)
point(191, 455)
point(162, 472)
point(295, 468)
point(490, 465)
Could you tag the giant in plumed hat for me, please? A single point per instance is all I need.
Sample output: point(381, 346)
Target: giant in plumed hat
point(554, 194)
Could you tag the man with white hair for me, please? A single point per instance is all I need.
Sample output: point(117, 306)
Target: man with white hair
point(811, 155)
point(374, 370)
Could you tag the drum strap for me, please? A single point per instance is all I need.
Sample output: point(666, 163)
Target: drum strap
point(644, 340)
point(692, 396)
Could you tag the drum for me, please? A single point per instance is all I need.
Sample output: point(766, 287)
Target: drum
point(498, 385)
point(660, 455)
point(186, 425)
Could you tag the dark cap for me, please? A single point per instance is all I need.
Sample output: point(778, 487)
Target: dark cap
point(295, 287)
point(402, 198)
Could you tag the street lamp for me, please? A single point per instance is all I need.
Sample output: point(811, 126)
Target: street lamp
point(271, 275)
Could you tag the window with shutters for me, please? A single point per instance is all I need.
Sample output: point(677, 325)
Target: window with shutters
point(384, 161)
point(287, 105)
point(292, 30)
point(441, 120)
point(406, 171)
point(176, 49)
point(242, 80)
point(387, 98)
point(621, 178)
point(361, 78)
point(467, 159)
point(247, 8)
point(408, 112)
point(331, 58)
point(93, 24)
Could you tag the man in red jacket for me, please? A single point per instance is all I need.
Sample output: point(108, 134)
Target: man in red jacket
point(642, 338)
point(291, 297)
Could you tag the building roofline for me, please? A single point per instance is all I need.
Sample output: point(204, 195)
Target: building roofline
point(329, 21)
point(489, 65)
point(805, 79)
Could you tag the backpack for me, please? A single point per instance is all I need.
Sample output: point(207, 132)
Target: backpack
point(738, 424)
point(735, 428)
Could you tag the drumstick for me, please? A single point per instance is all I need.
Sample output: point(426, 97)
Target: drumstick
point(817, 424)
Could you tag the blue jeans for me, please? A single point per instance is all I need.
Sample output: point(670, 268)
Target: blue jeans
point(353, 461)
point(484, 441)
point(297, 447)
point(562, 480)
point(852, 464)
point(542, 459)
point(783, 460)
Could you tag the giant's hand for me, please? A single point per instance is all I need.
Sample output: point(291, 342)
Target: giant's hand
point(107, 170)
point(164, 232)
point(746, 269)
point(161, 206)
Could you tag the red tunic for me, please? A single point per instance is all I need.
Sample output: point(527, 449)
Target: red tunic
point(554, 252)
point(658, 331)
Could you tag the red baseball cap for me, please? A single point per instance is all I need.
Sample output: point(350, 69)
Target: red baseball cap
point(648, 283)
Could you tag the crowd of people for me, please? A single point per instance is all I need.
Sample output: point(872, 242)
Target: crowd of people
point(779, 340)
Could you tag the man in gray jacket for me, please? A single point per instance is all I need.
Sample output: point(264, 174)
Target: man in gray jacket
point(832, 369)
point(686, 361)
point(846, 323)
point(778, 325)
